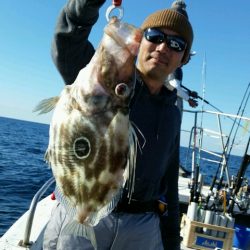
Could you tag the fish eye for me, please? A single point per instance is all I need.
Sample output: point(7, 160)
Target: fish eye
point(81, 147)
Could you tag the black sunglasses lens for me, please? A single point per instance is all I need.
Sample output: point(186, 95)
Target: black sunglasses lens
point(154, 36)
point(157, 37)
point(176, 43)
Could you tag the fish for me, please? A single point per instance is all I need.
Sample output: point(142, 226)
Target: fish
point(92, 143)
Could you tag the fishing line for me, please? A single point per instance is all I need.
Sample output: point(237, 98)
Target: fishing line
point(243, 110)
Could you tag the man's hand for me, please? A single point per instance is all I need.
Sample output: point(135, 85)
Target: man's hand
point(193, 94)
point(192, 103)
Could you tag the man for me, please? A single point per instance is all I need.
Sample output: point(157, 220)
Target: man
point(166, 46)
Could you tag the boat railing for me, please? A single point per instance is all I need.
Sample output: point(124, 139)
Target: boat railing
point(217, 113)
point(198, 135)
point(211, 156)
point(26, 239)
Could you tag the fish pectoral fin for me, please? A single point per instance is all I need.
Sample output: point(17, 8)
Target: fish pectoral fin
point(77, 229)
point(46, 105)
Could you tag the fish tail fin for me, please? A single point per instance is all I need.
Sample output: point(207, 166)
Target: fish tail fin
point(81, 230)
point(46, 105)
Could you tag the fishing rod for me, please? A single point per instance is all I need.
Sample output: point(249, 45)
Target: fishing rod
point(244, 99)
point(195, 174)
point(201, 98)
point(207, 102)
point(198, 182)
point(240, 175)
point(226, 148)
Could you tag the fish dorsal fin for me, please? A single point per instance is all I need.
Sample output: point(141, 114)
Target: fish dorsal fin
point(46, 105)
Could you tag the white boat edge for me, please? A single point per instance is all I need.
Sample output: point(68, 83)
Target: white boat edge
point(15, 234)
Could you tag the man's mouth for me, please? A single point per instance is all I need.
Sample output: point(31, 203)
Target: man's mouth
point(159, 60)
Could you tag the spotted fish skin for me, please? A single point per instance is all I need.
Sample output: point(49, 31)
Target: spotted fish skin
point(89, 146)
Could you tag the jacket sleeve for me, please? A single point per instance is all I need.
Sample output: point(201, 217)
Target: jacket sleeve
point(175, 83)
point(170, 221)
point(71, 50)
point(54, 227)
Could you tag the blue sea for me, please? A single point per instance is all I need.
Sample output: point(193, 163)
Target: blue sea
point(23, 170)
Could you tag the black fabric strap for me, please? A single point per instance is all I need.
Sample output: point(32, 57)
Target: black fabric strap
point(136, 206)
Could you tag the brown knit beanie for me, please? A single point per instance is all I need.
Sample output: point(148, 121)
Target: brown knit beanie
point(175, 19)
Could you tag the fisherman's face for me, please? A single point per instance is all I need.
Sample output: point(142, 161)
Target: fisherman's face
point(158, 60)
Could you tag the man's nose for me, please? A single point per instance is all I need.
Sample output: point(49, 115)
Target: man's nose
point(163, 47)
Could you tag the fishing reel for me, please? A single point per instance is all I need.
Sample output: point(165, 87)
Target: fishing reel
point(221, 199)
point(242, 198)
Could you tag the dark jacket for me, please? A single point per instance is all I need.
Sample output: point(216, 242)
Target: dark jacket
point(156, 116)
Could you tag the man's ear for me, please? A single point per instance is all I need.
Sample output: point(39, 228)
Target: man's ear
point(188, 59)
point(182, 60)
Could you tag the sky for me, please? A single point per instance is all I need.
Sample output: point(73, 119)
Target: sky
point(28, 75)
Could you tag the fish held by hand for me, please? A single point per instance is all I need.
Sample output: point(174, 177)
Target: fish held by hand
point(92, 144)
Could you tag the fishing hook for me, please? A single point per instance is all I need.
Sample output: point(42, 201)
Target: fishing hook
point(110, 9)
point(116, 4)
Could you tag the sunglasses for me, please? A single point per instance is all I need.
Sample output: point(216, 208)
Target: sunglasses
point(175, 43)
